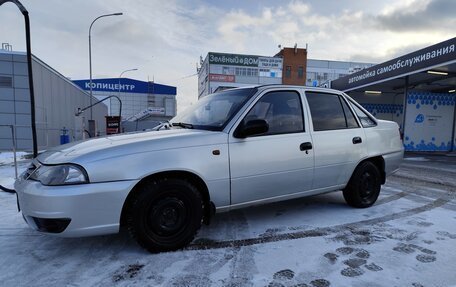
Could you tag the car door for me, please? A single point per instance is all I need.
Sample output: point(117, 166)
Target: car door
point(278, 162)
point(338, 140)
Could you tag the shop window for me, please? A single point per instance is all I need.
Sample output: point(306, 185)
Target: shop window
point(288, 72)
point(300, 72)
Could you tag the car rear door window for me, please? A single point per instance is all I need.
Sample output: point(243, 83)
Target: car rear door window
point(329, 112)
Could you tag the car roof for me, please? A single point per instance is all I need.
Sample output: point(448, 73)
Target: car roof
point(263, 87)
point(268, 86)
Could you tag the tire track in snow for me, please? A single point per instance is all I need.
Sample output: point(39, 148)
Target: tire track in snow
point(318, 232)
point(392, 198)
point(239, 261)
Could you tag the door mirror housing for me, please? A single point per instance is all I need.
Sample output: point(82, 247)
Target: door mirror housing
point(251, 128)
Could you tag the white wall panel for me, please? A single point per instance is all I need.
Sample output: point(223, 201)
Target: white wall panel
point(429, 121)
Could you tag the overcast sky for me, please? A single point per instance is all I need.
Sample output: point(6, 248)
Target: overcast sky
point(164, 39)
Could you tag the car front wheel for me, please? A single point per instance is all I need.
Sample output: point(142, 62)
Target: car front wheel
point(364, 186)
point(165, 214)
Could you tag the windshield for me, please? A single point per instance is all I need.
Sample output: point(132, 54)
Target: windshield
point(214, 111)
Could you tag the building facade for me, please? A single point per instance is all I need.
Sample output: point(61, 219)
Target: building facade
point(290, 66)
point(221, 71)
point(137, 97)
point(321, 72)
point(56, 101)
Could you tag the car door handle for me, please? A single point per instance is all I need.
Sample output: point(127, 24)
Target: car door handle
point(305, 146)
point(357, 140)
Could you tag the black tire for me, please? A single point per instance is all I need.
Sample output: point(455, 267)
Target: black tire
point(364, 186)
point(165, 214)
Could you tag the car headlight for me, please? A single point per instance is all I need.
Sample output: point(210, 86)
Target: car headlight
point(63, 174)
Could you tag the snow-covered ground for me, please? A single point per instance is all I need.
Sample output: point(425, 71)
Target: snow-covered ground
point(7, 172)
point(407, 239)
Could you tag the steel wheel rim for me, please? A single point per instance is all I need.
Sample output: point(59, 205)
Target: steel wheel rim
point(167, 216)
point(367, 186)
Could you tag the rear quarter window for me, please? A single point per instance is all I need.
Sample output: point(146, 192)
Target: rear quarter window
point(365, 119)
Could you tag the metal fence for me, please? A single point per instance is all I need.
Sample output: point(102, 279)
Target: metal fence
point(19, 136)
point(14, 146)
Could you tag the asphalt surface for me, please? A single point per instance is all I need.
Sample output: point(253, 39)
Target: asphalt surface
point(407, 238)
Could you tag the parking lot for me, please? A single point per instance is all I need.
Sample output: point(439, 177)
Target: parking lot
point(407, 238)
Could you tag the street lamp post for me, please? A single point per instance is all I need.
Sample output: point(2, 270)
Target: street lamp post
point(118, 97)
point(90, 55)
point(129, 70)
point(30, 72)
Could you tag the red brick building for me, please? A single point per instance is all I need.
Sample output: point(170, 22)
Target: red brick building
point(294, 65)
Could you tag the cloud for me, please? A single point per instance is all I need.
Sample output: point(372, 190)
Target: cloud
point(419, 15)
point(388, 55)
point(337, 34)
point(298, 8)
point(164, 39)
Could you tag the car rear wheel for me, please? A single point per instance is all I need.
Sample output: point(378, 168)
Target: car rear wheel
point(165, 214)
point(364, 186)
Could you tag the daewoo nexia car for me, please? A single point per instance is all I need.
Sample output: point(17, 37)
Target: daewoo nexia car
point(231, 149)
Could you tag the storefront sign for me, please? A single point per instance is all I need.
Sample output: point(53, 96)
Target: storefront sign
point(221, 78)
point(125, 85)
point(428, 57)
point(155, 111)
point(112, 125)
point(270, 62)
point(233, 59)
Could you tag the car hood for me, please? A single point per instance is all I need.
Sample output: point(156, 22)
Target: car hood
point(120, 145)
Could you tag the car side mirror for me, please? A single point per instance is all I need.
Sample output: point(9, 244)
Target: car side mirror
point(251, 128)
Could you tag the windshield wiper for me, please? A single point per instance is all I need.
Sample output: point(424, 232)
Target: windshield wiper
point(182, 125)
point(166, 125)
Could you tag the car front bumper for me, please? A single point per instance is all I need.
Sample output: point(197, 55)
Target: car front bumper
point(73, 210)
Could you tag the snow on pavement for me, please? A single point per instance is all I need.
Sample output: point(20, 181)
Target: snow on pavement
point(406, 239)
point(7, 167)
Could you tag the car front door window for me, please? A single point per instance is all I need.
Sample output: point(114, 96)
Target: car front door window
point(282, 110)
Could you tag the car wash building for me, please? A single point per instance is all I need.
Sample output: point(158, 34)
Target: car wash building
point(416, 90)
